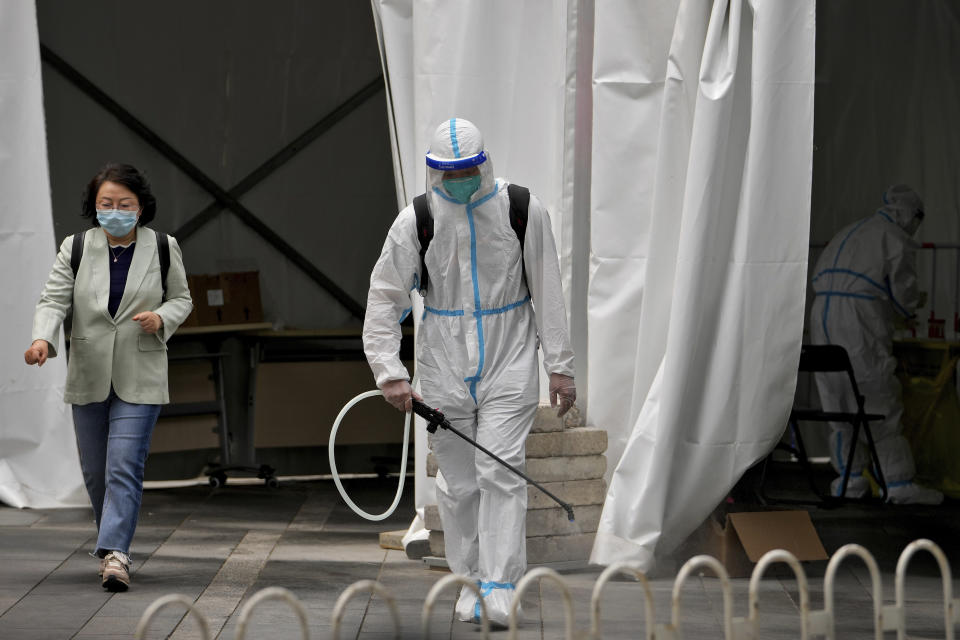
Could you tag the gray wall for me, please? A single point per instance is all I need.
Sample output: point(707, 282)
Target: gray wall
point(228, 83)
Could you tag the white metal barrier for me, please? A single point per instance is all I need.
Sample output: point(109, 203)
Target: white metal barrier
point(822, 622)
point(371, 586)
point(673, 630)
point(163, 603)
point(444, 584)
point(272, 593)
point(894, 616)
point(812, 623)
point(631, 569)
point(536, 575)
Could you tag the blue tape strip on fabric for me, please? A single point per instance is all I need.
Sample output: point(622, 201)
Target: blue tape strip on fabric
point(486, 588)
point(855, 274)
point(884, 215)
point(845, 294)
point(826, 306)
point(453, 138)
point(443, 312)
point(509, 307)
point(444, 164)
point(476, 303)
point(483, 312)
point(406, 312)
point(885, 287)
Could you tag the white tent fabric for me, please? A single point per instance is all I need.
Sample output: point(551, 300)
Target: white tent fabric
point(506, 67)
point(39, 466)
point(725, 178)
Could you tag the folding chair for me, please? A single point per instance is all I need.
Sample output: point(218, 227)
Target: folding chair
point(829, 358)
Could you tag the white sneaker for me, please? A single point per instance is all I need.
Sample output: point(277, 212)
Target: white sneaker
point(857, 486)
point(913, 493)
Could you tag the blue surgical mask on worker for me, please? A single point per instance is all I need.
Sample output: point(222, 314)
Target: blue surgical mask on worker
point(117, 222)
point(461, 189)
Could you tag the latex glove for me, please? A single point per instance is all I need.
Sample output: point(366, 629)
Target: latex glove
point(37, 353)
point(563, 392)
point(398, 393)
point(149, 321)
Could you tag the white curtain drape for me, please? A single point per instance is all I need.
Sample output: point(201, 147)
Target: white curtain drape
point(709, 283)
point(38, 455)
point(507, 66)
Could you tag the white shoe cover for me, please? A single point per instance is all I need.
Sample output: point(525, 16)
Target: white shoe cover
point(912, 493)
point(466, 605)
point(857, 486)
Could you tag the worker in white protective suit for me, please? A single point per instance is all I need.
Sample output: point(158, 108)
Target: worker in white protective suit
point(866, 278)
point(476, 352)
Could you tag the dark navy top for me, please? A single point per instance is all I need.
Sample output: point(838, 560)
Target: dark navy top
point(118, 274)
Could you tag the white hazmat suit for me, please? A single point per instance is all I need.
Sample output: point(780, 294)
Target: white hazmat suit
point(476, 354)
point(864, 278)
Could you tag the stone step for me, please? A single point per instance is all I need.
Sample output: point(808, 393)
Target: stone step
point(570, 442)
point(540, 522)
point(540, 549)
point(392, 539)
point(557, 469)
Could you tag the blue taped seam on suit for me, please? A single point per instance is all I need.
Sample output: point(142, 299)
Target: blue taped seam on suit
point(826, 306)
point(476, 304)
point(486, 588)
point(884, 215)
point(406, 312)
point(483, 312)
point(512, 305)
point(845, 294)
point(443, 312)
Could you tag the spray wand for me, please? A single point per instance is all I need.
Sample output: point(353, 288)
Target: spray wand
point(436, 419)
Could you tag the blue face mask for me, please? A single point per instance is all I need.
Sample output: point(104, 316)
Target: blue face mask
point(460, 189)
point(117, 222)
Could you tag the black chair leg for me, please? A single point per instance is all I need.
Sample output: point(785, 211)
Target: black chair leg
point(877, 470)
point(849, 466)
point(804, 460)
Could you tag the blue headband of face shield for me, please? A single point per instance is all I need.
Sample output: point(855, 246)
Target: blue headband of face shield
point(459, 163)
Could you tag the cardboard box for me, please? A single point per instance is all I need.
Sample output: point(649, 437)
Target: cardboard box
point(225, 298)
point(746, 536)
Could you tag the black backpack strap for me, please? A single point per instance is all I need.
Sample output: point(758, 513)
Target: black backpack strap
point(76, 253)
point(424, 235)
point(163, 249)
point(519, 210)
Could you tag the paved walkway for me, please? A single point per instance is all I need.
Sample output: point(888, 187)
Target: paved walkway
point(219, 547)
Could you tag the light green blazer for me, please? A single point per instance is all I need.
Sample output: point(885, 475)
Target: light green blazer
point(108, 350)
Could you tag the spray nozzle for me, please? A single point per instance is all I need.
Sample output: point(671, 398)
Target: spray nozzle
point(569, 510)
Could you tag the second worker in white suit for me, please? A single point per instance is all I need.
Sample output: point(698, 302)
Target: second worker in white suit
point(486, 304)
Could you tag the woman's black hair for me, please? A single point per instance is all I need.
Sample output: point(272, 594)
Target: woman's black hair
point(130, 177)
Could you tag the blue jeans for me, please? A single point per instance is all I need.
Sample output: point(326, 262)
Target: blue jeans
point(113, 437)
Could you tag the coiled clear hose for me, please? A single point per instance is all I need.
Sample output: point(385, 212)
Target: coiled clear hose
point(333, 465)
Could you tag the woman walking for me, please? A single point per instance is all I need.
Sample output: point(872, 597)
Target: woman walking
point(127, 293)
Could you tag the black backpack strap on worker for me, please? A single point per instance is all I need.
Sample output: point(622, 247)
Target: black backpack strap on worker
point(76, 253)
point(424, 236)
point(519, 209)
point(163, 249)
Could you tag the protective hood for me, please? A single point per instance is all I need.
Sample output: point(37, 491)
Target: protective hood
point(902, 204)
point(457, 144)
